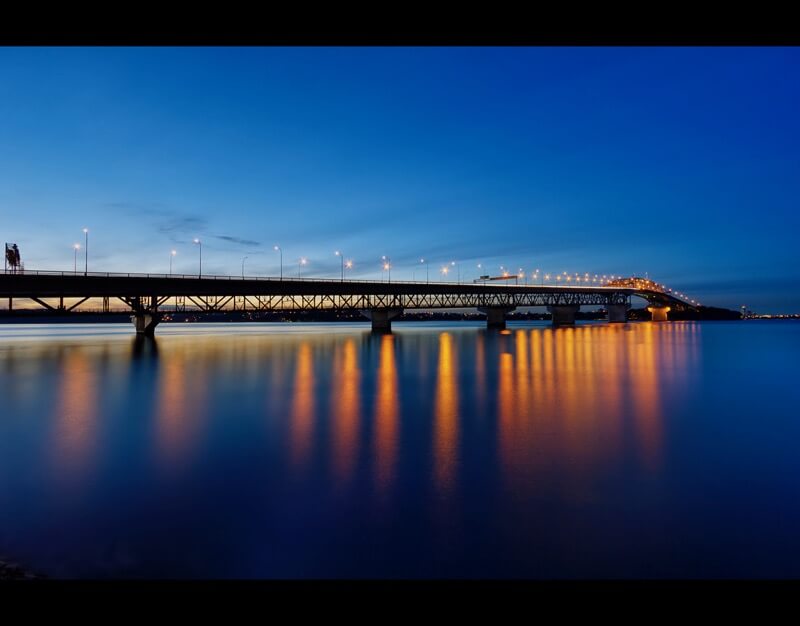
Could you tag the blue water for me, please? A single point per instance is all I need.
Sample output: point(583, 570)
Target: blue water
point(442, 450)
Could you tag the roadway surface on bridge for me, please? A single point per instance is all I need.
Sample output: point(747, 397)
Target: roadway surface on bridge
point(213, 292)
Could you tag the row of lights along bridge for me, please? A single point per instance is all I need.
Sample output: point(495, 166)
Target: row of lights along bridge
point(560, 279)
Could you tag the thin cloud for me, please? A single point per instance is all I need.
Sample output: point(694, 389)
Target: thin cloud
point(181, 225)
point(238, 240)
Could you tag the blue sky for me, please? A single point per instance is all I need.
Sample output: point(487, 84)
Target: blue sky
point(679, 162)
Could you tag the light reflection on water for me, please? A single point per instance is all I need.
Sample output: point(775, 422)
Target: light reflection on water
point(441, 450)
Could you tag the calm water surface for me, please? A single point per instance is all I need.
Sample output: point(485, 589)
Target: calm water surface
point(442, 450)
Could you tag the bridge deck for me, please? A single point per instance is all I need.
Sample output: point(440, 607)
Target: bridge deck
point(314, 292)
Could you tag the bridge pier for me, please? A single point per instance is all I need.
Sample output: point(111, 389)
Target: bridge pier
point(564, 314)
point(145, 318)
point(381, 318)
point(658, 313)
point(617, 313)
point(145, 323)
point(496, 315)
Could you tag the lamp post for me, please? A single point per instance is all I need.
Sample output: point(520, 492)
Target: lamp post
point(444, 270)
point(427, 274)
point(341, 258)
point(348, 265)
point(171, 256)
point(86, 251)
point(300, 264)
point(200, 243)
point(387, 266)
point(76, 247)
point(458, 270)
point(247, 257)
point(278, 249)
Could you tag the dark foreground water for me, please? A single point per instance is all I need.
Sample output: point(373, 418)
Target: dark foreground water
point(443, 450)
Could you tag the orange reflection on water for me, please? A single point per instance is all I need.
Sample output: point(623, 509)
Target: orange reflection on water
point(523, 383)
point(480, 369)
point(181, 394)
point(75, 436)
point(647, 356)
point(346, 410)
point(387, 411)
point(505, 413)
point(301, 422)
point(562, 395)
point(445, 447)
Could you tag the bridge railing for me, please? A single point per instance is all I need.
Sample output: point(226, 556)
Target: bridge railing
point(73, 274)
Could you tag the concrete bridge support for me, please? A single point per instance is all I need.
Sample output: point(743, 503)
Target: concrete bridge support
point(496, 315)
point(145, 318)
point(617, 313)
point(658, 313)
point(564, 314)
point(381, 318)
point(145, 323)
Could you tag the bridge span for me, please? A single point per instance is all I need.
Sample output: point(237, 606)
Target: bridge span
point(147, 296)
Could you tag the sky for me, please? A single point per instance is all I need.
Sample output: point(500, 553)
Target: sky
point(679, 163)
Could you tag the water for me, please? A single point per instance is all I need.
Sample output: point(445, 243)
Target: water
point(443, 450)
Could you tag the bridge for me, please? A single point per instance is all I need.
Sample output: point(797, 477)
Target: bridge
point(147, 296)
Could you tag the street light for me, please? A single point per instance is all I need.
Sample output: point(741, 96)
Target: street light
point(445, 269)
point(75, 262)
point(387, 266)
point(278, 249)
point(200, 243)
point(341, 258)
point(348, 265)
point(247, 257)
point(86, 251)
point(171, 255)
point(427, 276)
point(458, 269)
point(300, 264)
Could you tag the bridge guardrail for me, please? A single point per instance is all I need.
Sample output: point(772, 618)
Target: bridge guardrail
point(626, 284)
point(62, 273)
